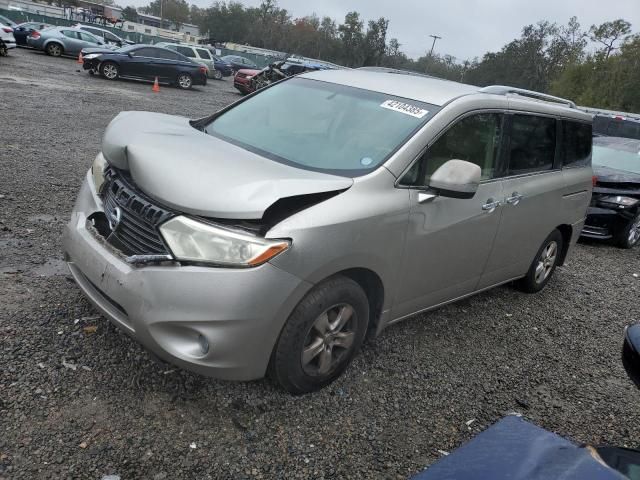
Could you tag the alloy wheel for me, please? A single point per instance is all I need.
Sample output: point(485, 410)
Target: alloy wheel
point(634, 232)
point(110, 71)
point(184, 81)
point(546, 262)
point(54, 50)
point(330, 338)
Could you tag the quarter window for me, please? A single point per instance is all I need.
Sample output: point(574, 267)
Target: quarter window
point(204, 53)
point(576, 144)
point(186, 51)
point(475, 139)
point(532, 145)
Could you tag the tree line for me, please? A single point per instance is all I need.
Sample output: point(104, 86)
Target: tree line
point(598, 66)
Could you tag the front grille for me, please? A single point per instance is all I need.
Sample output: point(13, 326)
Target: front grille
point(133, 218)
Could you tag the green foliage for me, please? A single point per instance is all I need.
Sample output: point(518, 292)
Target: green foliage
point(176, 11)
point(130, 13)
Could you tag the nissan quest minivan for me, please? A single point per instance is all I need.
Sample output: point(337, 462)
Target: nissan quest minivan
point(274, 235)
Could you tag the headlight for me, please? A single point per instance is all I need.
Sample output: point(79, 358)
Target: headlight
point(97, 171)
point(91, 56)
point(620, 201)
point(196, 241)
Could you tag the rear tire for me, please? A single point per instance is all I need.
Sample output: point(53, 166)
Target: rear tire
point(110, 70)
point(321, 336)
point(544, 264)
point(184, 81)
point(54, 49)
point(217, 74)
point(629, 236)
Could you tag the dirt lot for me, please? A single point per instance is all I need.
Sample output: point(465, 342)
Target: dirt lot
point(80, 400)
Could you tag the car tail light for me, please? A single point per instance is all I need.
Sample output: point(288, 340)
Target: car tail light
point(594, 180)
point(35, 34)
point(203, 69)
point(7, 29)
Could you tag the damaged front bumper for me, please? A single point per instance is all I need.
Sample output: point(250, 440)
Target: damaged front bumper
point(219, 322)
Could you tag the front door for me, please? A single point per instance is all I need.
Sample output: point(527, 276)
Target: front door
point(448, 239)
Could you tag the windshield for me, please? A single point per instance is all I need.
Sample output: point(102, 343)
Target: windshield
point(322, 126)
point(616, 158)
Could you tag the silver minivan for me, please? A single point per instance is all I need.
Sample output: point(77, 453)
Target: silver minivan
point(276, 234)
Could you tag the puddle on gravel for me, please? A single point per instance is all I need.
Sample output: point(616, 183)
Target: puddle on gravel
point(51, 268)
point(41, 217)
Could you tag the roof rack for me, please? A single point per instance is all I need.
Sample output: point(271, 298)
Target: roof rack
point(504, 90)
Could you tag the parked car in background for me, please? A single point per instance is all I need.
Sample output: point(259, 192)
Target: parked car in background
point(215, 67)
point(57, 41)
point(7, 21)
point(23, 30)
point(610, 123)
point(145, 62)
point(238, 62)
point(109, 38)
point(279, 70)
point(614, 213)
point(242, 80)
point(377, 197)
point(8, 40)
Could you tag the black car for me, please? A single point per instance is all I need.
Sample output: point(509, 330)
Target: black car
point(23, 30)
point(614, 212)
point(238, 63)
point(145, 62)
point(617, 125)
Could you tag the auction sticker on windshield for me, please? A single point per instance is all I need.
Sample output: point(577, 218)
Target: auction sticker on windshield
point(405, 108)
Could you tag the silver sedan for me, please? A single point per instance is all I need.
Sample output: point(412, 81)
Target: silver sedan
point(57, 41)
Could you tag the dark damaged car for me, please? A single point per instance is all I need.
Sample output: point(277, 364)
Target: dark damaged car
point(614, 213)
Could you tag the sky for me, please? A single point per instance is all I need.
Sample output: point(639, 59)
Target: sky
point(468, 28)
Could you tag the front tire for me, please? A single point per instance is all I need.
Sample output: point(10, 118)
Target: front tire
point(54, 49)
point(544, 264)
point(217, 74)
point(110, 70)
point(321, 337)
point(185, 82)
point(629, 236)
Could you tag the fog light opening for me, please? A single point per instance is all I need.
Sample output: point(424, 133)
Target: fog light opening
point(204, 344)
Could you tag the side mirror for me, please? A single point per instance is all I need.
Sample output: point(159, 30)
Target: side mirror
point(456, 179)
point(631, 352)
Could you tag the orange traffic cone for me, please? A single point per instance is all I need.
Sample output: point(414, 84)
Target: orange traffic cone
point(156, 87)
point(80, 59)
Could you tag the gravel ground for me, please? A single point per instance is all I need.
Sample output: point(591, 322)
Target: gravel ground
point(80, 400)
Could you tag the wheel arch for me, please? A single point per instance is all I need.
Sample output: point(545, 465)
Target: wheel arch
point(567, 232)
point(53, 40)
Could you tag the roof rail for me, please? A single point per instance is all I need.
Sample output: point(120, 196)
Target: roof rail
point(504, 90)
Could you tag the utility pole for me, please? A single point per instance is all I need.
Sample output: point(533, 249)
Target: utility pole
point(435, 39)
point(161, 21)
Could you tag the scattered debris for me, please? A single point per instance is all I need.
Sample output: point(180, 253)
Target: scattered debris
point(635, 275)
point(443, 452)
point(508, 314)
point(192, 445)
point(84, 367)
point(84, 445)
point(468, 423)
point(71, 366)
point(110, 477)
point(41, 365)
point(90, 329)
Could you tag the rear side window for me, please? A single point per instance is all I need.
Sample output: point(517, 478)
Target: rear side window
point(70, 34)
point(576, 144)
point(532, 145)
point(475, 139)
point(87, 38)
point(168, 55)
point(204, 53)
point(186, 51)
point(624, 128)
point(145, 52)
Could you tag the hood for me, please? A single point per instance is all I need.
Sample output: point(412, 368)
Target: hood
point(612, 175)
point(103, 49)
point(193, 172)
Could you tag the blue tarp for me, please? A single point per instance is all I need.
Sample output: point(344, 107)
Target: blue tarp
point(513, 449)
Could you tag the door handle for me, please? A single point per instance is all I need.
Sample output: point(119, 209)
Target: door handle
point(491, 205)
point(514, 199)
